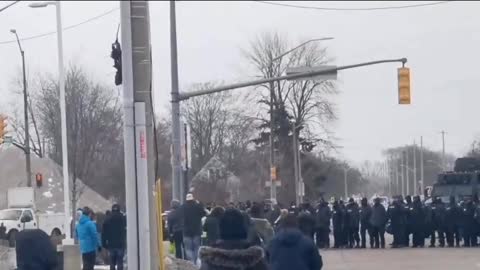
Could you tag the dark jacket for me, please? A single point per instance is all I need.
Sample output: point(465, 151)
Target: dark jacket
point(379, 217)
point(114, 231)
point(439, 215)
point(193, 213)
point(175, 221)
point(352, 216)
point(323, 216)
point(35, 251)
point(232, 255)
point(338, 218)
point(212, 229)
point(290, 249)
point(452, 216)
point(397, 216)
point(306, 223)
point(365, 215)
point(418, 218)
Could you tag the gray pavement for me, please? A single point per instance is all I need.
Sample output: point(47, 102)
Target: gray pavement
point(402, 259)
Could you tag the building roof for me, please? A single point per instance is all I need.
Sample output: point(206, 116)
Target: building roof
point(49, 197)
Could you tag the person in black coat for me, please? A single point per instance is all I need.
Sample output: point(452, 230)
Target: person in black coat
point(35, 251)
point(211, 225)
point(439, 215)
point(378, 220)
point(306, 222)
point(418, 222)
point(291, 249)
point(338, 220)
point(468, 224)
point(352, 224)
point(396, 214)
point(365, 214)
point(193, 212)
point(175, 228)
point(322, 225)
point(452, 223)
point(114, 237)
point(408, 226)
point(233, 250)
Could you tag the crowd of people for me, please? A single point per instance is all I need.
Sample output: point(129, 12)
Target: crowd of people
point(248, 237)
point(283, 230)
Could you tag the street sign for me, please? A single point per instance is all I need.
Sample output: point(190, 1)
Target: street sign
point(323, 77)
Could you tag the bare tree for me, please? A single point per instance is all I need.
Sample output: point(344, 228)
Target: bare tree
point(94, 129)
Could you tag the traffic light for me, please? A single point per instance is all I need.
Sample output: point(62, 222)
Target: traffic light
point(273, 173)
point(117, 61)
point(39, 179)
point(3, 126)
point(403, 85)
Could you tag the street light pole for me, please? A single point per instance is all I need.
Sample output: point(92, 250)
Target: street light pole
point(25, 112)
point(63, 116)
point(345, 171)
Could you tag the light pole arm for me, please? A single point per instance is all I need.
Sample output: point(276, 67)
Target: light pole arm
point(301, 45)
point(185, 96)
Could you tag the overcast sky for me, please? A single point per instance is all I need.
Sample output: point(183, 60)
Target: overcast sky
point(442, 44)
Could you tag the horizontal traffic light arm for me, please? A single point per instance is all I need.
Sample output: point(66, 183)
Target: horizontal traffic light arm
point(185, 96)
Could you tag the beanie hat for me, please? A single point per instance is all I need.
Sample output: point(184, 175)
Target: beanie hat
point(232, 225)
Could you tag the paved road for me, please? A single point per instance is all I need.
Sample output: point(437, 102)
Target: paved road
point(402, 259)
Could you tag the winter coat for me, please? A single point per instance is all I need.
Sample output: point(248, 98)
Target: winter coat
point(322, 217)
point(175, 221)
point(35, 251)
point(365, 215)
point(418, 218)
point(352, 216)
point(379, 217)
point(306, 223)
point(212, 229)
point(232, 255)
point(264, 229)
point(87, 235)
point(193, 213)
point(114, 231)
point(452, 216)
point(439, 215)
point(397, 216)
point(290, 249)
point(338, 219)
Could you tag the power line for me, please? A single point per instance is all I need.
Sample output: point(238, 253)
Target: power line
point(9, 5)
point(65, 28)
point(353, 9)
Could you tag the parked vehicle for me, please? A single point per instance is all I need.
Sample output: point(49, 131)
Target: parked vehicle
point(21, 215)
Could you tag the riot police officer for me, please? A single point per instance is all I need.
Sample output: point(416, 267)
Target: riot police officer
point(397, 219)
point(417, 216)
point(439, 214)
point(452, 223)
point(365, 226)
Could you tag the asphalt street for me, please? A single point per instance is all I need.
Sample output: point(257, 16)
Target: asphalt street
point(402, 259)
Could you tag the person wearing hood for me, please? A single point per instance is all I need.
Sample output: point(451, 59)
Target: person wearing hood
point(291, 249)
point(211, 226)
point(365, 214)
point(232, 251)
point(193, 212)
point(88, 239)
point(175, 228)
point(306, 221)
point(35, 251)
point(114, 237)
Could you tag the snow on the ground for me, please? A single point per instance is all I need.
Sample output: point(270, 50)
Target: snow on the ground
point(48, 194)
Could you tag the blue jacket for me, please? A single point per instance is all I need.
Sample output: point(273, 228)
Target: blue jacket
point(87, 235)
point(290, 249)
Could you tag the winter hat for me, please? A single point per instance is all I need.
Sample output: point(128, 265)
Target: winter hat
point(232, 225)
point(189, 197)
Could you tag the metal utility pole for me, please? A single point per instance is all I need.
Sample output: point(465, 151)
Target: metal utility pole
point(345, 171)
point(176, 142)
point(415, 190)
point(397, 177)
point(25, 113)
point(138, 135)
point(273, 168)
point(185, 179)
point(295, 164)
point(443, 150)
point(402, 168)
point(407, 171)
point(422, 176)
